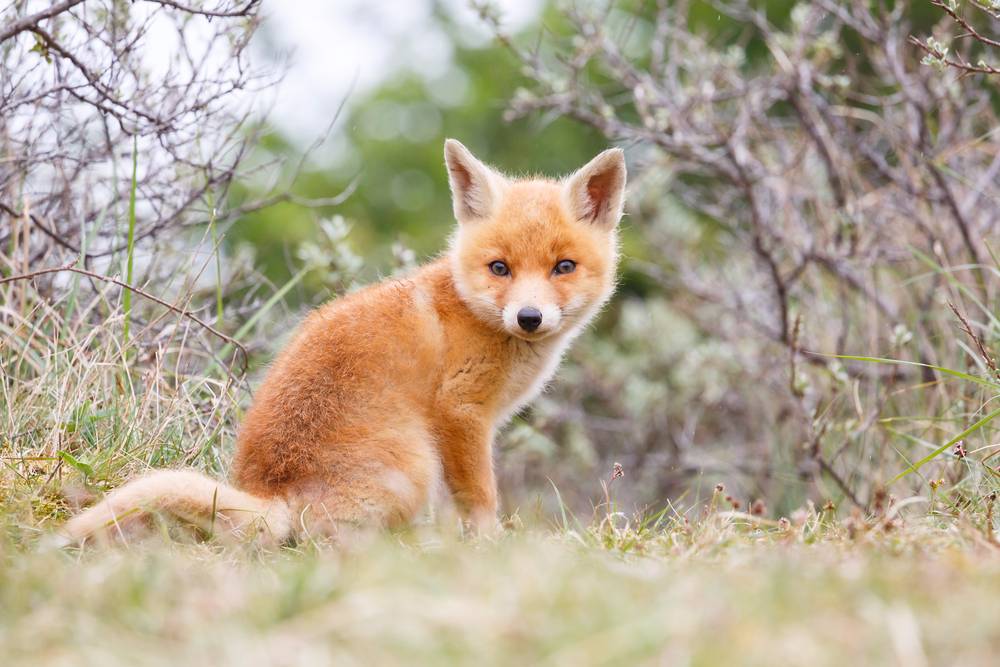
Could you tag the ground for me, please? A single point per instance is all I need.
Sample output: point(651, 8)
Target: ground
point(726, 589)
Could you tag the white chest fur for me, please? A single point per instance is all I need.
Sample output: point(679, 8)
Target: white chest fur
point(534, 365)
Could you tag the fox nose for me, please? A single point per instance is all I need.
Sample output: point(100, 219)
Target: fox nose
point(529, 318)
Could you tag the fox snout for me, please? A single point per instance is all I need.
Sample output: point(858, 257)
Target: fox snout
point(529, 318)
point(529, 305)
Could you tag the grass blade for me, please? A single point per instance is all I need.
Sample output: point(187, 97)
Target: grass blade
point(218, 271)
point(85, 468)
point(961, 436)
point(941, 369)
point(947, 275)
point(131, 236)
point(562, 506)
point(263, 310)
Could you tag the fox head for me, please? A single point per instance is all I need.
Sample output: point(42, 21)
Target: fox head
point(535, 257)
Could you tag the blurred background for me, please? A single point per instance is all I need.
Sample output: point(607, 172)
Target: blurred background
point(807, 179)
point(394, 81)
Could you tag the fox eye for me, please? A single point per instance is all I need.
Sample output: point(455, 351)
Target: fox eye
point(498, 268)
point(564, 266)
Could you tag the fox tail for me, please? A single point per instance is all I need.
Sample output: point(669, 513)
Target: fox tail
point(188, 495)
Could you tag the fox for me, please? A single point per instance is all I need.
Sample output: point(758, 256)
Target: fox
point(385, 392)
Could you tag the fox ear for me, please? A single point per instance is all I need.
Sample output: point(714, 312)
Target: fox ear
point(475, 188)
point(596, 193)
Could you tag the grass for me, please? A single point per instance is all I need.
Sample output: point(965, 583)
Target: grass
point(130, 253)
point(720, 591)
point(912, 581)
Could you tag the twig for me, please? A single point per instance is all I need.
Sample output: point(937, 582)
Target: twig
point(28, 22)
point(41, 225)
point(208, 13)
point(180, 311)
point(970, 31)
point(839, 481)
point(962, 64)
point(983, 352)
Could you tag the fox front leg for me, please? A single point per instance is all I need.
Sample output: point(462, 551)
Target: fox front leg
point(466, 447)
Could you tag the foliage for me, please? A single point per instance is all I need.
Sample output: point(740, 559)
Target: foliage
point(806, 197)
point(981, 12)
point(85, 87)
point(803, 187)
point(389, 155)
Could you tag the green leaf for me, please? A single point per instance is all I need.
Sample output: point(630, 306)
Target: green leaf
point(85, 468)
point(42, 49)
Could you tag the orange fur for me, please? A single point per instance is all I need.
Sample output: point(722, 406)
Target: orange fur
point(382, 391)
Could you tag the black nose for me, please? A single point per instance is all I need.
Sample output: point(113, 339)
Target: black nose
point(529, 318)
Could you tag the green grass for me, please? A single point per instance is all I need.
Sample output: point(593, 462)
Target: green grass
point(716, 593)
point(130, 253)
point(913, 580)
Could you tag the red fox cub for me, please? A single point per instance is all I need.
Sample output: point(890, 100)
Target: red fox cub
point(382, 392)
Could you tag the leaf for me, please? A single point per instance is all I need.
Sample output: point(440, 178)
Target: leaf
point(42, 49)
point(85, 468)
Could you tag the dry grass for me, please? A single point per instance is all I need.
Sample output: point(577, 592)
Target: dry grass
point(912, 582)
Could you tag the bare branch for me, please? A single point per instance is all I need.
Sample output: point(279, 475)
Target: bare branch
point(246, 10)
point(115, 281)
point(29, 22)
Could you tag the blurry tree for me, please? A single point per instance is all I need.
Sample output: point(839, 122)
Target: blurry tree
point(802, 183)
point(123, 126)
point(390, 154)
point(88, 87)
point(981, 43)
